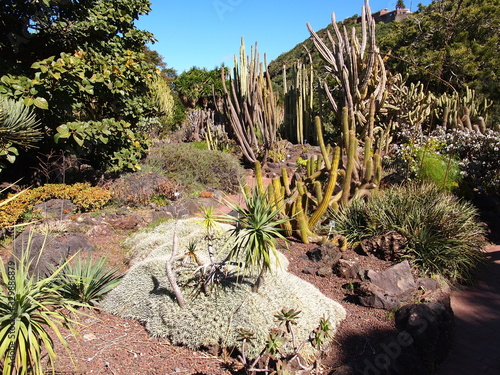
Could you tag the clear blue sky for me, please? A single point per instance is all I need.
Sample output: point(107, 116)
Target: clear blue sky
point(207, 33)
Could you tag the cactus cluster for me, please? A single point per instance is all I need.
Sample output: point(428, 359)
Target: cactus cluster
point(457, 112)
point(298, 103)
point(250, 105)
point(329, 181)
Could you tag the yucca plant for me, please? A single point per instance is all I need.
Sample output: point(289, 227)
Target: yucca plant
point(86, 281)
point(31, 316)
point(254, 237)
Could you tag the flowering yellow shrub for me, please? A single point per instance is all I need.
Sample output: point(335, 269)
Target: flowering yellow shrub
point(83, 195)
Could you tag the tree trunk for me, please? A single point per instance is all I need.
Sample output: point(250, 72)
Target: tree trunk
point(171, 275)
point(260, 280)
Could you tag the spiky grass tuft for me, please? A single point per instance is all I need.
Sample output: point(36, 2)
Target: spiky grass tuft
point(443, 233)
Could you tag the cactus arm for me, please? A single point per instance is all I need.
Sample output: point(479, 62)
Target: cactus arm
point(332, 181)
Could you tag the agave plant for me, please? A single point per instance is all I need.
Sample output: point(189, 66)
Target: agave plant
point(86, 281)
point(254, 237)
point(30, 309)
point(18, 127)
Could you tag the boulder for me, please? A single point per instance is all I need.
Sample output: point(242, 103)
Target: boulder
point(431, 327)
point(178, 210)
point(434, 290)
point(388, 289)
point(125, 222)
point(347, 269)
point(385, 246)
point(55, 208)
point(47, 252)
point(327, 254)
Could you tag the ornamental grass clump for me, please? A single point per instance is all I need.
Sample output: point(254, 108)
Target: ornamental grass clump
point(443, 234)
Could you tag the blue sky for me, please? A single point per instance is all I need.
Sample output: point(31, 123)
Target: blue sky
point(207, 33)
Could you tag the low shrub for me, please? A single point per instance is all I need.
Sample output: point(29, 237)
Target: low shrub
point(194, 168)
point(478, 155)
point(83, 195)
point(215, 318)
point(443, 234)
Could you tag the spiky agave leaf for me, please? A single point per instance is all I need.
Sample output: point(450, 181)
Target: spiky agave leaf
point(87, 281)
point(18, 124)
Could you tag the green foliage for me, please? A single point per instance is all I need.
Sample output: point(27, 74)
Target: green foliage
point(257, 229)
point(456, 41)
point(108, 144)
point(30, 310)
point(84, 63)
point(442, 170)
point(19, 127)
point(426, 163)
point(197, 87)
point(84, 196)
point(196, 169)
point(477, 153)
point(443, 234)
point(86, 281)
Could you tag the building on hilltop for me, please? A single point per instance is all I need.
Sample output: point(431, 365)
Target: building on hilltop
point(387, 16)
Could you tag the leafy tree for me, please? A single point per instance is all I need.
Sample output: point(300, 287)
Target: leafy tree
point(82, 63)
point(400, 4)
point(197, 87)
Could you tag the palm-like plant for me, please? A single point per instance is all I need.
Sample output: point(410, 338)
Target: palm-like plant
point(18, 127)
point(400, 4)
point(29, 309)
point(254, 237)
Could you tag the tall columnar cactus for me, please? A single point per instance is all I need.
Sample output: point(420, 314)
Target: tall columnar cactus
point(298, 97)
point(358, 67)
point(250, 105)
point(455, 111)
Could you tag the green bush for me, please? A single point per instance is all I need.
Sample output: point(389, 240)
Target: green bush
point(443, 234)
point(197, 169)
point(425, 162)
point(442, 170)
